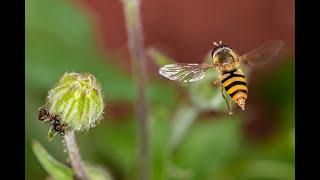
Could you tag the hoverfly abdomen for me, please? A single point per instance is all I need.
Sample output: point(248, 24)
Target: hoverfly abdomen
point(235, 85)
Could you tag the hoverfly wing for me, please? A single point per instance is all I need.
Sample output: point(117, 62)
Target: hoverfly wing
point(184, 72)
point(263, 54)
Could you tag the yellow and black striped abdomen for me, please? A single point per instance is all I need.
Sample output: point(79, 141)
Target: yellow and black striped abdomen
point(235, 84)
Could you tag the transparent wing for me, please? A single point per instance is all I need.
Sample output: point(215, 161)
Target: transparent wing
point(184, 72)
point(264, 53)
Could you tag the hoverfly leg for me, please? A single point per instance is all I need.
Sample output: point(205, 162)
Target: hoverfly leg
point(217, 82)
point(225, 98)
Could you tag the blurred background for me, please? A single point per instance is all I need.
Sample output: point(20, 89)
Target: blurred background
point(191, 135)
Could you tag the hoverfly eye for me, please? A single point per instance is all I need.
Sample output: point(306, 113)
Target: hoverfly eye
point(226, 58)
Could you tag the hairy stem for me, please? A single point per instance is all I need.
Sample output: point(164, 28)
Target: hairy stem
point(136, 48)
point(74, 156)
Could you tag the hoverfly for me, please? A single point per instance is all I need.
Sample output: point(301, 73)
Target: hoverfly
point(226, 61)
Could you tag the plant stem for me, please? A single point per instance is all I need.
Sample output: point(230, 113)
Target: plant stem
point(136, 48)
point(74, 155)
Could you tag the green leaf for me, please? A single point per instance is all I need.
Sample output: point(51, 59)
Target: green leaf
point(118, 147)
point(159, 58)
point(209, 146)
point(256, 169)
point(62, 172)
point(267, 170)
point(159, 134)
point(96, 172)
point(52, 166)
point(182, 121)
point(179, 173)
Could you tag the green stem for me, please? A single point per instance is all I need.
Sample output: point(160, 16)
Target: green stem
point(74, 156)
point(136, 48)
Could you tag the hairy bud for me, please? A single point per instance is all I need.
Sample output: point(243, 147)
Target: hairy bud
point(75, 103)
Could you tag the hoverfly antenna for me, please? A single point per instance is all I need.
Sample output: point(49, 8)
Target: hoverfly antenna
point(215, 43)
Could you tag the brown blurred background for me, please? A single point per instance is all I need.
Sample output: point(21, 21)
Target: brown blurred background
point(185, 29)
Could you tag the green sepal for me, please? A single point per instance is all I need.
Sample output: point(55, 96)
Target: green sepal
point(51, 134)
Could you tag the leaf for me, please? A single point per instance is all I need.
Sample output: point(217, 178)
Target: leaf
point(175, 172)
point(159, 134)
point(182, 121)
point(256, 169)
point(209, 146)
point(96, 172)
point(267, 170)
point(62, 172)
point(52, 166)
point(121, 148)
point(158, 58)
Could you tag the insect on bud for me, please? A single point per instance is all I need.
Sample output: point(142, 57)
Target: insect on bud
point(74, 104)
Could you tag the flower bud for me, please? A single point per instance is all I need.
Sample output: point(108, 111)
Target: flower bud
point(75, 103)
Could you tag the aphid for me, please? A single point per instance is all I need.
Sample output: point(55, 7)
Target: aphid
point(226, 61)
point(54, 120)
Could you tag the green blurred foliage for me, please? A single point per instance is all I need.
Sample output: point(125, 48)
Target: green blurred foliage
point(52, 166)
point(184, 144)
point(60, 171)
point(209, 146)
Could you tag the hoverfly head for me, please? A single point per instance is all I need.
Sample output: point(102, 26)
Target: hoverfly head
point(218, 47)
point(222, 53)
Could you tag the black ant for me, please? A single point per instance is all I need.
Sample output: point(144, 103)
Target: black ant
point(54, 120)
